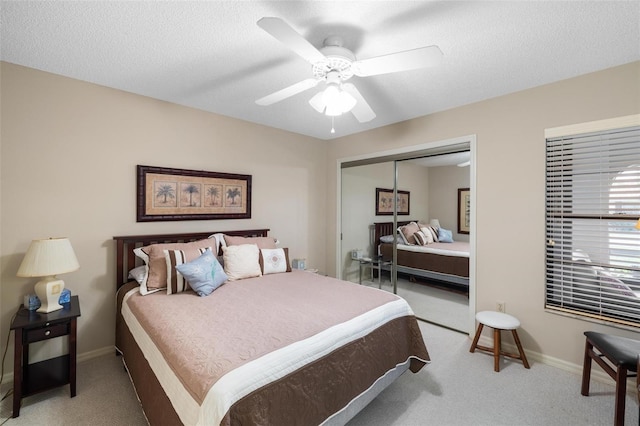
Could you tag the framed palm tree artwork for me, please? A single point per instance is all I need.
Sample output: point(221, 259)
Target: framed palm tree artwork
point(464, 210)
point(385, 204)
point(165, 194)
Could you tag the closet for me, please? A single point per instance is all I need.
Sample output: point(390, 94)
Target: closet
point(429, 181)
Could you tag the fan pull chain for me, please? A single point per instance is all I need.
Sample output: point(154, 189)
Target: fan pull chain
point(333, 130)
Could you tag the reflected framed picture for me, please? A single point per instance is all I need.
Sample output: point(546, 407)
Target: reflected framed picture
point(464, 210)
point(384, 202)
point(177, 194)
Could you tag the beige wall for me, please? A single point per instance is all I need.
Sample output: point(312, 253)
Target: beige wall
point(69, 152)
point(358, 205)
point(510, 170)
point(444, 183)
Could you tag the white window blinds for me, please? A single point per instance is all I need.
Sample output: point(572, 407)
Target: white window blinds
point(592, 207)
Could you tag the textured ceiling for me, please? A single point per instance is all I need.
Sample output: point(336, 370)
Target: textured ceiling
point(212, 56)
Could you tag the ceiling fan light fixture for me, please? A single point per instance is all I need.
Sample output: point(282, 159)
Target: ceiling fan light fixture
point(346, 101)
point(331, 95)
point(333, 101)
point(317, 103)
point(333, 111)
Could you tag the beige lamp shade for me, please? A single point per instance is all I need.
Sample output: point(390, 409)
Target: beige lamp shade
point(47, 258)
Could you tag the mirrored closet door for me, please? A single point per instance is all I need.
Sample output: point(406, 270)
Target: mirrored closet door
point(429, 271)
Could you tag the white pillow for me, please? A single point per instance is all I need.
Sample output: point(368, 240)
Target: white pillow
point(433, 232)
point(274, 261)
point(241, 261)
point(139, 273)
point(427, 233)
point(220, 242)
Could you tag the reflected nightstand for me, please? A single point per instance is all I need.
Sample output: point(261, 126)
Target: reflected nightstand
point(373, 263)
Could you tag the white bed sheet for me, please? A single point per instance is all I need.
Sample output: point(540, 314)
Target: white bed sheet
point(455, 249)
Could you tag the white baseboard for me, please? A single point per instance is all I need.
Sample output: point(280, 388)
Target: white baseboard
point(597, 373)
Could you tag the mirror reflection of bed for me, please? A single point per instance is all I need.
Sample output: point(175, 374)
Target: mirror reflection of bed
point(433, 273)
point(433, 178)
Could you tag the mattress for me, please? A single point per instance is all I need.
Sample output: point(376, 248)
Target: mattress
point(290, 348)
point(447, 261)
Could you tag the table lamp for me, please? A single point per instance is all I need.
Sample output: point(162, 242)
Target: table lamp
point(46, 258)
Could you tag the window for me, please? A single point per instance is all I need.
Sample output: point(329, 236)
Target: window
point(592, 207)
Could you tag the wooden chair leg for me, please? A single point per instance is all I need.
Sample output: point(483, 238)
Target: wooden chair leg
point(475, 339)
point(523, 357)
point(621, 393)
point(496, 350)
point(586, 368)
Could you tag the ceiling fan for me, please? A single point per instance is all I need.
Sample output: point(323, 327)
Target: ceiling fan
point(334, 64)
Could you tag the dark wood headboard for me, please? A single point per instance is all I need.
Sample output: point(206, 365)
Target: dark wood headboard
point(127, 260)
point(386, 228)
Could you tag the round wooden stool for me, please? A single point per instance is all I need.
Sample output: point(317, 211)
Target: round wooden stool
point(498, 321)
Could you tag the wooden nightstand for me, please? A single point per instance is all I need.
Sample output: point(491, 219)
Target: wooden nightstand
point(30, 327)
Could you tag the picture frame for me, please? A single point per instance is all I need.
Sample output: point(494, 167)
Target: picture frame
point(384, 202)
point(165, 194)
point(464, 211)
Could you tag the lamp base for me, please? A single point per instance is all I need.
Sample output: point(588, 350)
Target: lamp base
point(48, 290)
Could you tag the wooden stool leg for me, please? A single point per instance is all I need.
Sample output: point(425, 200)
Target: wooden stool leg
point(475, 339)
point(496, 350)
point(523, 357)
point(586, 368)
point(621, 389)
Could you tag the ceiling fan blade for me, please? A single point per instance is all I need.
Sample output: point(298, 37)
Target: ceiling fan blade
point(401, 61)
point(287, 92)
point(362, 111)
point(291, 38)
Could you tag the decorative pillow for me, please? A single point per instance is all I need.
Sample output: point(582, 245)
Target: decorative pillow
point(389, 239)
point(401, 236)
point(204, 275)
point(220, 242)
point(421, 239)
point(445, 235)
point(427, 234)
point(241, 261)
point(407, 232)
point(274, 261)
point(139, 273)
point(142, 254)
point(175, 281)
point(261, 242)
point(433, 232)
point(154, 259)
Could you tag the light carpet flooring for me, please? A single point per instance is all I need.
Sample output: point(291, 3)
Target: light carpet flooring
point(442, 307)
point(456, 388)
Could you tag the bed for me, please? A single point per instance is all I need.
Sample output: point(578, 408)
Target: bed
point(444, 262)
point(312, 349)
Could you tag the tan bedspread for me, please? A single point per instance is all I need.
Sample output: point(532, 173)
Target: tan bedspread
point(206, 339)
